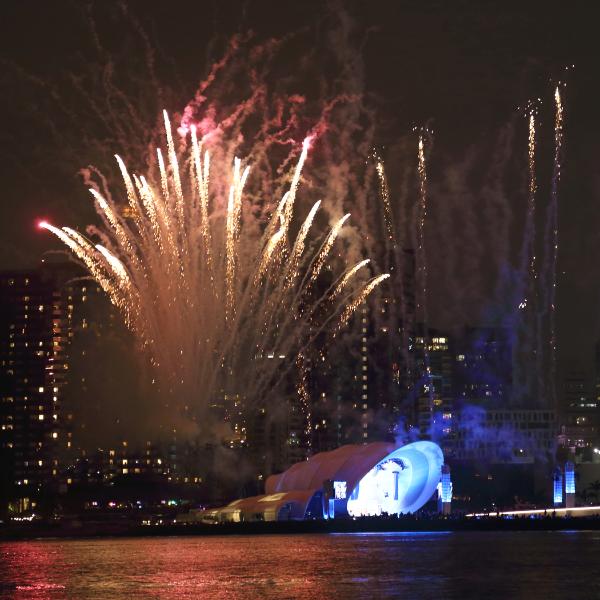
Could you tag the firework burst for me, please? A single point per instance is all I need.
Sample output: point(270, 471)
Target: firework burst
point(211, 301)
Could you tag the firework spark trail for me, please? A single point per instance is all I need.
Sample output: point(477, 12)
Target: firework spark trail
point(530, 321)
point(149, 206)
point(298, 249)
point(348, 305)
point(528, 255)
point(204, 297)
point(107, 211)
point(532, 189)
point(164, 179)
point(278, 227)
point(289, 205)
point(323, 254)
point(272, 309)
point(385, 196)
point(551, 241)
point(174, 164)
point(347, 276)
point(531, 298)
point(136, 211)
point(201, 177)
point(395, 259)
point(288, 319)
point(71, 243)
point(304, 395)
point(272, 244)
point(275, 253)
point(422, 260)
point(84, 251)
point(234, 209)
point(116, 265)
point(352, 306)
point(532, 302)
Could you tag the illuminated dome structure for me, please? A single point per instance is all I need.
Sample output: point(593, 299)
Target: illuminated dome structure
point(355, 480)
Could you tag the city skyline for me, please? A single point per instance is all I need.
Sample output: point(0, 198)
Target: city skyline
point(476, 234)
point(299, 299)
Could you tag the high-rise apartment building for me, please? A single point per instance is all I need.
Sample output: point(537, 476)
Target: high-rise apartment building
point(361, 386)
point(483, 367)
point(33, 367)
point(434, 389)
point(580, 414)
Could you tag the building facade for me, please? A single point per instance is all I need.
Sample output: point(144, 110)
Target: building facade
point(33, 366)
point(580, 414)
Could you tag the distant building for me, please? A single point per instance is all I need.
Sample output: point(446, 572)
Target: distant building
point(33, 366)
point(580, 414)
point(361, 387)
point(267, 435)
point(389, 347)
point(504, 436)
point(434, 389)
point(483, 367)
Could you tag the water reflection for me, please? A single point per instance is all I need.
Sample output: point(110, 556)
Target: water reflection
point(398, 565)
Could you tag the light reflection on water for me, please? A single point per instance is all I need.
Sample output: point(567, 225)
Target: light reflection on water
point(400, 565)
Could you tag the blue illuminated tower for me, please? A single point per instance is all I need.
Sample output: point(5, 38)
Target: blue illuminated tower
point(569, 484)
point(445, 491)
point(558, 487)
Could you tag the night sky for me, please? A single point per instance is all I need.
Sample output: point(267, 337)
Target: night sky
point(461, 67)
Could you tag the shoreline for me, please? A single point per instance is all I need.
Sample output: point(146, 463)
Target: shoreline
point(337, 526)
